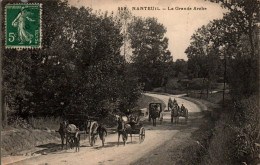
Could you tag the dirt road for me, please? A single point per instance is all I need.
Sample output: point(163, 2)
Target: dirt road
point(148, 152)
point(191, 106)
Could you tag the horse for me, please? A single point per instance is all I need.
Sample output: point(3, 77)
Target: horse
point(64, 130)
point(184, 113)
point(102, 132)
point(154, 115)
point(175, 114)
point(174, 102)
point(121, 130)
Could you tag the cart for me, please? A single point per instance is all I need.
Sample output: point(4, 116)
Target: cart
point(155, 110)
point(85, 124)
point(138, 130)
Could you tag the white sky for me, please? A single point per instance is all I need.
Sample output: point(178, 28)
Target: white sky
point(180, 24)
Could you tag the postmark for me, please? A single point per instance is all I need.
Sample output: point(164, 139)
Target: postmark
point(23, 25)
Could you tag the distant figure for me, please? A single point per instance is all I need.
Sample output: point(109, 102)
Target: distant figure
point(132, 122)
point(175, 102)
point(120, 124)
point(121, 130)
point(182, 108)
point(170, 104)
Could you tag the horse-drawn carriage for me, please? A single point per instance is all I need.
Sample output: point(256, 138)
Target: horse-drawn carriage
point(155, 110)
point(86, 124)
point(177, 111)
point(130, 127)
point(75, 125)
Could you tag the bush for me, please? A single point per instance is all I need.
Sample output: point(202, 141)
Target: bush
point(233, 139)
point(236, 135)
point(195, 153)
point(18, 122)
point(44, 123)
point(248, 136)
point(197, 84)
point(173, 84)
point(221, 149)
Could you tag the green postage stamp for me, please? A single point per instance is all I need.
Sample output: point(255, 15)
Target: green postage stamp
point(23, 26)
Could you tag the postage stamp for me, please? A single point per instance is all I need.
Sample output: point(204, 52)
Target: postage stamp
point(23, 26)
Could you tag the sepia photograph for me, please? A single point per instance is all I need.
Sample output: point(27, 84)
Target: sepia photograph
point(130, 82)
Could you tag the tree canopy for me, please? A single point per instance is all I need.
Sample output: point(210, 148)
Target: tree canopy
point(78, 70)
point(151, 56)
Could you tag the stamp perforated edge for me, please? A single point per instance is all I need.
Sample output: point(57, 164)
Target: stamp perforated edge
point(24, 47)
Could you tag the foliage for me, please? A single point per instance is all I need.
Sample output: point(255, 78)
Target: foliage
point(44, 123)
point(180, 67)
point(18, 122)
point(78, 70)
point(203, 54)
point(233, 43)
point(151, 56)
point(238, 130)
point(228, 42)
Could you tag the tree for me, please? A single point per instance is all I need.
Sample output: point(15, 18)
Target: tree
point(78, 70)
point(17, 65)
point(203, 54)
point(239, 27)
point(151, 56)
point(180, 68)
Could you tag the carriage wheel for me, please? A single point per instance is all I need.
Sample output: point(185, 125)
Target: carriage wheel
point(89, 139)
point(141, 135)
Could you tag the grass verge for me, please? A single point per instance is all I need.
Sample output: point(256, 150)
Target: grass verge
point(233, 138)
point(23, 134)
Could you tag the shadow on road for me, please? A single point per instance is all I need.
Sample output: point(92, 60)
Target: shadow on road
point(48, 148)
point(193, 121)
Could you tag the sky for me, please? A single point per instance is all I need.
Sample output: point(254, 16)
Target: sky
point(180, 24)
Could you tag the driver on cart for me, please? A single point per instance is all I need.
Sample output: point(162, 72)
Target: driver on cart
point(182, 108)
point(132, 122)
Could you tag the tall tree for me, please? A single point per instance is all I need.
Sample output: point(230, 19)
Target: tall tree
point(203, 54)
point(151, 56)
